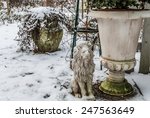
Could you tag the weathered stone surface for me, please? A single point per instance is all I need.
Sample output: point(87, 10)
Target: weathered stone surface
point(47, 40)
point(117, 89)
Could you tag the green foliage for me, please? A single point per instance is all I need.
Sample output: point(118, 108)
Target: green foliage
point(118, 4)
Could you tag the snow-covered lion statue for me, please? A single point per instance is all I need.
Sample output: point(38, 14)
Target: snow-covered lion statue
point(83, 68)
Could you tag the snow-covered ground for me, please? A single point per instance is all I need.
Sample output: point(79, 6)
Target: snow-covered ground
point(46, 76)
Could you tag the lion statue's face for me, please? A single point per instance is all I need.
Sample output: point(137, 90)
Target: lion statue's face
point(83, 51)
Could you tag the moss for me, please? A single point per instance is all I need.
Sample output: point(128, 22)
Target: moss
point(48, 41)
point(116, 89)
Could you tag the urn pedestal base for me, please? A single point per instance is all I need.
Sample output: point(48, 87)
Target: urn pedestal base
point(116, 84)
point(117, 89)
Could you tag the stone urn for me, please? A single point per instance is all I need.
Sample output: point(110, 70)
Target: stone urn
point(48, 39)
point(119, 33)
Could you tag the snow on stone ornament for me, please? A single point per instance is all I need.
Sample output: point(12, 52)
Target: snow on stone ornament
point(41, 30)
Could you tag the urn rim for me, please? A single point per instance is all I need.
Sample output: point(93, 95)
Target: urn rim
point(120, 14)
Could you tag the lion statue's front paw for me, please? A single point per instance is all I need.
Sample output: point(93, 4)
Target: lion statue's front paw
point(90, 98)
point(77, 95)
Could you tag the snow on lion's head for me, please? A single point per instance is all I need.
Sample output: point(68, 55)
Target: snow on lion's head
point(84, 48)
point(83, 54)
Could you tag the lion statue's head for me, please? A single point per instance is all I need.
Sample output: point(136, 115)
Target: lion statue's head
point(83, 55)
point(83, 51)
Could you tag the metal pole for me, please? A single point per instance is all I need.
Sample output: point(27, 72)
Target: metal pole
point(82, 9)
point(87, 11)
point(75, 28)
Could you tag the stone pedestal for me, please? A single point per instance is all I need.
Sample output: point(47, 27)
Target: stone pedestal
point(115, 83)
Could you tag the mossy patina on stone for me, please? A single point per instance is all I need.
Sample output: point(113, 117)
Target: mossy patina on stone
point(116, 89)
point(48, 40)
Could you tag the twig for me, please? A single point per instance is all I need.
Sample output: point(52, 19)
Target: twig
point(135, 84)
